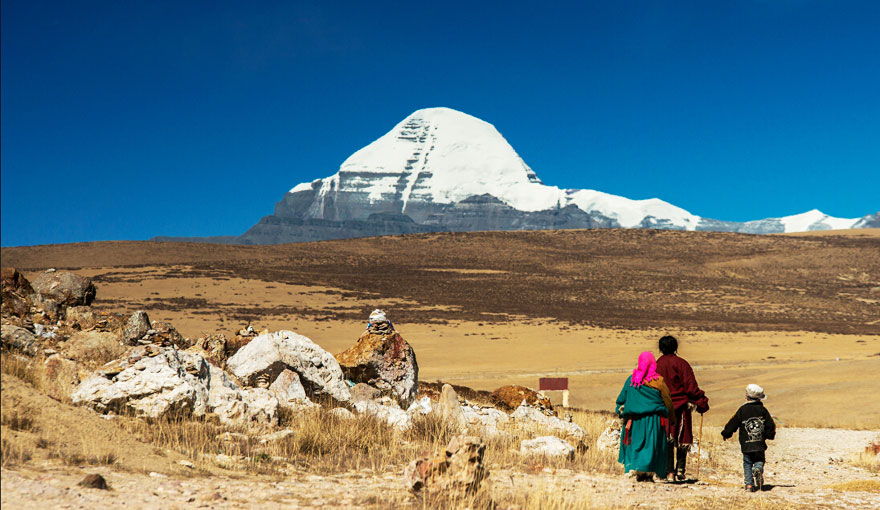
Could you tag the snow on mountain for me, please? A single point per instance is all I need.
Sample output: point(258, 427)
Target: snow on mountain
point(816, 220)
point(443, 156)
point(436, 168)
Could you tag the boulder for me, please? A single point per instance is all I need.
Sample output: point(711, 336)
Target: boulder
point(528, 415)
point(363, 391)
point(386, 362)
point(458, 469)
point(86, 346)
point(450, 409)
point(67, 289)
point(289, 391)
point(510, 397)
point(156, 381)
point(267, 355)
point(15, 289)
point(547, 446)
point(163, 333)
point(60, 377)
point(48, 306)
point(260, 406)
point(18, 339)
point(212, 348)
point(136, 328)
point(151, 386)
point(81, 317)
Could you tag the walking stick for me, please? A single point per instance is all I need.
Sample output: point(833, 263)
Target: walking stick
point(700, 447)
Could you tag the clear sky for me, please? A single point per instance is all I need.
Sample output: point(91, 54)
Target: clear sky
point(125, 120)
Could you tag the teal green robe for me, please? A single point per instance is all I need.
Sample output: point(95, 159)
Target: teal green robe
point(647, 451)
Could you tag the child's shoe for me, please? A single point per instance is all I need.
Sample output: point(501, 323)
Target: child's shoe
point(759, 478)
point(751, 488)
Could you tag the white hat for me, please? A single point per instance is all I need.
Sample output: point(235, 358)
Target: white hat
point(754, 391)
point(378, 316)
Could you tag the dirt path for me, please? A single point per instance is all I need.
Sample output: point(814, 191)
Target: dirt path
point(802, 464)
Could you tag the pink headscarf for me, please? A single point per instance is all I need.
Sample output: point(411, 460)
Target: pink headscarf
point(646, 371)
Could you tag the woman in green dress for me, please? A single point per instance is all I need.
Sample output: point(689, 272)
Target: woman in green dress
point(644, 405)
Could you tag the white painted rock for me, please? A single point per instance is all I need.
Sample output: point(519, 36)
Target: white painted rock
point(271, 353)
point(548, 446)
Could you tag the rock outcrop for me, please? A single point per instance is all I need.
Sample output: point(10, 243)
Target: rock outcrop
point(526, 414)
point(459, 468)
point(136, 328)
point(510, 397)
point(155, 381)
point(385, 362)
point(66, 289)
point(16, 291)
point(16, 338)
point(268, 355)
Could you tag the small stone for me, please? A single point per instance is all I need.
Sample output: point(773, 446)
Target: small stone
point(186, 464)
point(94, 481)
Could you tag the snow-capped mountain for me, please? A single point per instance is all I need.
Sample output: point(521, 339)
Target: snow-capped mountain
point(443, 170)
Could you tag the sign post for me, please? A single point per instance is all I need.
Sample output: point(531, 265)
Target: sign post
point(555, 384)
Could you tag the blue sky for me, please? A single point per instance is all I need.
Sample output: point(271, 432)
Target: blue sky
point(125, 120)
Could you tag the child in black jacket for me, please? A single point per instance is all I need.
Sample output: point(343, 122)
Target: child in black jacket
point(755, 426)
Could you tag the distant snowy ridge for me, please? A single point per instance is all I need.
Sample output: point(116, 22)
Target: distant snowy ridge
point(439, 157)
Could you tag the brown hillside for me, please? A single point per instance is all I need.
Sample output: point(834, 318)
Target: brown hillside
point(610, 278)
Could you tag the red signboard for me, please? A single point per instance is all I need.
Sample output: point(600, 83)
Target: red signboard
point(553, 383)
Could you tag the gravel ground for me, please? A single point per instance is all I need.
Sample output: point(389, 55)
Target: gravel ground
point(802, 463)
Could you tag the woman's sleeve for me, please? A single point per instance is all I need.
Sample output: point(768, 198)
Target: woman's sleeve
point(621, 398)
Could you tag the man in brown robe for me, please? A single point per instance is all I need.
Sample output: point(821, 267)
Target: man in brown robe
point(686, 395)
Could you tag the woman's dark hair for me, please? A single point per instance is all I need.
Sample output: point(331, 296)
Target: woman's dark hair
point(668, 344)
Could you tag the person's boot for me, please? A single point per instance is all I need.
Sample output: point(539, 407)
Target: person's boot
point(681, 464)
point(759, 478)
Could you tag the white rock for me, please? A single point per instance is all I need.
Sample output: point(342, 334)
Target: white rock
point(186, 464)
point(289, 391)
point(390, 414)
point(260, 406)
point(421, 406)
point(550, 446)
point(609, 439)
point(528, 414)
point(177, 381)
point(343, 413)
point(154, 386)
point(450, 409)
point(271, 353)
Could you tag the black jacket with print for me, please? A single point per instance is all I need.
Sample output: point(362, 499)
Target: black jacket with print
point(755, 426)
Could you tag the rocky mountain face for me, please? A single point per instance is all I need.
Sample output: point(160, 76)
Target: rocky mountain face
point(443, 170)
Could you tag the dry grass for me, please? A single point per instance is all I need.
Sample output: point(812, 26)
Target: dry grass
point(868, 461)
point(26, 369)
point(857, 485)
